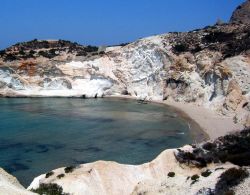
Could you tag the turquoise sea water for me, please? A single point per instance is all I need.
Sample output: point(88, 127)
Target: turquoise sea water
point(41, 134)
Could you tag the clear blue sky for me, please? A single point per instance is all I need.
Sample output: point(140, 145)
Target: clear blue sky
point(105, 22)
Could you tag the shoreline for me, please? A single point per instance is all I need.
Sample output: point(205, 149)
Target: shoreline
point(211, 123)
point(208, 126)
point(208, 122)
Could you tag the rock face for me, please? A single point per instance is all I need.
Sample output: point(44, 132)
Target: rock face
point(242, 14)
point(174, 171)
point(194, 67)
point(10, 186)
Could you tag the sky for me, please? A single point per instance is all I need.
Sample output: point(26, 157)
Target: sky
point(105, 22)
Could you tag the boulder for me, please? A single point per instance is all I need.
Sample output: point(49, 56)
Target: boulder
point(233, 96)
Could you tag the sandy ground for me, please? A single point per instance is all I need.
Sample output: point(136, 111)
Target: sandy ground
point(212, 123)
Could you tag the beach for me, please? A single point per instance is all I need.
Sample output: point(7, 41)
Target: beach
point(211, 122)
point(214, 124)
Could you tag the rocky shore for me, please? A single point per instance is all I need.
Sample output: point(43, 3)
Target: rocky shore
point(215, 167)
point(205, 73)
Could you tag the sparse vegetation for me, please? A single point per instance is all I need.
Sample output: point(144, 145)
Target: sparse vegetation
point(60, 176)
point(2, 52)
point(10, 57)
point(218, 36)
point(21, 52)
point(206, 173)
point(123, 44)
point(194, 178)
point(230, 178)
point(180, 47)
point(49, 174)
point(233, 148)
point(69, 169)
point(209, 146)
point(101, 53)
point(48, 53)
point(49, 189)
point(90, 48)
point(171, 174)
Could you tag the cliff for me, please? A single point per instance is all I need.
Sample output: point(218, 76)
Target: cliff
point(10, 186)
point(208, 67)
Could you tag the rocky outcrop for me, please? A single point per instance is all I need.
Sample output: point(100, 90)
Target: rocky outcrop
point(242, 14)
point(10, 186)
point(174, 171)
point(233, 97)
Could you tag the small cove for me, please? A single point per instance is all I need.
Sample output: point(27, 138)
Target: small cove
point(41, 134)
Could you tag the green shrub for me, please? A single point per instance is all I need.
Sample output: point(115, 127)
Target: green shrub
point(60, 176)
point(171, 174)
point(49, 189)
point(21, 52)
point(32, 52)
point(49, 174)
point(10, 57)
point(206, 173)
point(90, 48)
point(229, 179)
point(69, 169)
point(195, 178)
point(181, 47)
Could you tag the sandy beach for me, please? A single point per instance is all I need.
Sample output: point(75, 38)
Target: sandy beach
point(212, 123)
